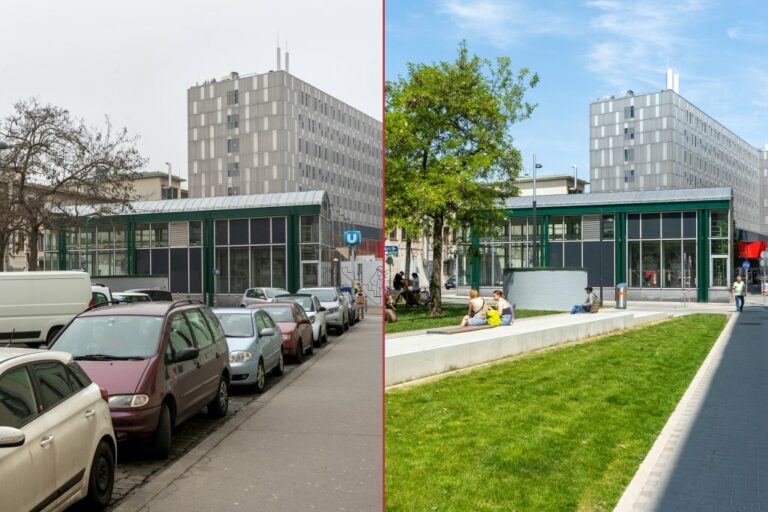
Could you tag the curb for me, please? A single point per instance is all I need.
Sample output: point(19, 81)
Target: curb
point(138, 499)
point(651, 478)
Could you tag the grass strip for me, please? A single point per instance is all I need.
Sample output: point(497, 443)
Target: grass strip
point(413, 319)
point(559, 430)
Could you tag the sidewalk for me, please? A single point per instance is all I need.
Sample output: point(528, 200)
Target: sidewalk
point(712, 454)
point(314, 443)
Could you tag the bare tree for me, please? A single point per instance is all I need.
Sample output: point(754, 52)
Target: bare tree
point(57, 164)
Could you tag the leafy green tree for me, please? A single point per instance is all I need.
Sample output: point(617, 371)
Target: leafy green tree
point(450, 155)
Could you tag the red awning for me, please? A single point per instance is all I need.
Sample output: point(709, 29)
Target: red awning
point(751, 249)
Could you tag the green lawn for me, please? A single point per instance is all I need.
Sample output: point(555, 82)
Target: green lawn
point(412, 319)
point(559, 430)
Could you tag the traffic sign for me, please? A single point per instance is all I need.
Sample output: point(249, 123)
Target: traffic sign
point(745, 264)
point(352, 238)
point(391, 249)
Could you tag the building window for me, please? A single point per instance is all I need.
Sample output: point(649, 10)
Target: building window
point(629, 155)
point(233, 169)
point(233, 120)
point(195, 233)
point(629, 133)
point(233, 145)
point(233, 191)
point(629, 112)
point(233, 97)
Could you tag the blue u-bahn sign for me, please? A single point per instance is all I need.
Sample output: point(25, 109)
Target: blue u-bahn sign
point(352, 238)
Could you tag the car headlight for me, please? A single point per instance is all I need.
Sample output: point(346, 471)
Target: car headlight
point(240, 356)
point(286, 337)
point(127, 401)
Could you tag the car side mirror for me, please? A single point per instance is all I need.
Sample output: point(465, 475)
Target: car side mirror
point(267, 331)
point(312, 319)
point(322, 309)
point(186, 354)
point(11, 437)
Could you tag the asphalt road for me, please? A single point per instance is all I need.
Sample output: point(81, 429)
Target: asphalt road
point(313, 441)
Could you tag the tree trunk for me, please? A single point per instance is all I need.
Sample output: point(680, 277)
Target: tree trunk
point(32, 235)
point(4, 239)
point(408, 257)
point(435, 298)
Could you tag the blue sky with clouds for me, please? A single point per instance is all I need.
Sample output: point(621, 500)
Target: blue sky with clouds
point(583, 50)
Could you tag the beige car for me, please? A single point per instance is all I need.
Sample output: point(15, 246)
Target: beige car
point(57, 446)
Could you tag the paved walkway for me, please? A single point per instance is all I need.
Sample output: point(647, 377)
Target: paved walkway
point(712, 455)
point(312, 442)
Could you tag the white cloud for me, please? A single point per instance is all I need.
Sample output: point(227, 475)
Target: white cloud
point(749, 32)
point(500, 22)
point(635, 41)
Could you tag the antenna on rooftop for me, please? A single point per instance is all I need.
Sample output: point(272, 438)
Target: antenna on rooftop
point(278, 53)
point(287, 59)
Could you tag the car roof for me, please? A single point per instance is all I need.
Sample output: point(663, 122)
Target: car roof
point(137, 309)
point(260, 305)
point(131, 294)
point(233, 310)
point(289, 295)
point(145, 290)
point(9, 353)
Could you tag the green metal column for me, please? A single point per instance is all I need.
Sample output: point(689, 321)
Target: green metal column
point(131, 241)
point(620, 247)
point(62, 254)
point(544, 241)
point(208, 261)
point(702, 265)
point(292, 256)
point(474, 252)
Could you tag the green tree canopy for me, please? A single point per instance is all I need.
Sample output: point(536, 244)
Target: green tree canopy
point(450, 154)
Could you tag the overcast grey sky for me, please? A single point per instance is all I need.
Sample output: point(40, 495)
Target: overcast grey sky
point(134, 60)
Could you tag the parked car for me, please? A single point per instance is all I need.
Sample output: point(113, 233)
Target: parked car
point(57, 446)
point(130, 297)
point(450, 283)
point(337, 312)
point(100, 294)
point(154, 294)
point(295, 326)
point(35, 305)
point(257, 295)
point(355, 312)
point(316, 313)
point(255, 345)
point(161, 362)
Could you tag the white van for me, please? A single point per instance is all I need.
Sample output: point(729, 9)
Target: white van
point(38, 304)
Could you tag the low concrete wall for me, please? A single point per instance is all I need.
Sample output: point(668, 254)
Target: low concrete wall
point(411, 358)
point(549, 289)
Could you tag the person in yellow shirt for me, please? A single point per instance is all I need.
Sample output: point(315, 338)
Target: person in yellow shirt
point(739, 291)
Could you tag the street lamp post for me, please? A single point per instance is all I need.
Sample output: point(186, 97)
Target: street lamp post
point(535, 217)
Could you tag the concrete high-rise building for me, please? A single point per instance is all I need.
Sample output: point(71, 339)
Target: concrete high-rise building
point(273, 132)
point(659, 141)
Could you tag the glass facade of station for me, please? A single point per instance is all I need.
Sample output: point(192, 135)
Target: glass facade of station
point(660, 252)
point(203, 252)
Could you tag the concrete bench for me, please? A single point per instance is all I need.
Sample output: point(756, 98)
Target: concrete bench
point(459, 330)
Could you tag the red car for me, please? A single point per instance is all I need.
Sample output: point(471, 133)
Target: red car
point(295, 326)
point(160, 362)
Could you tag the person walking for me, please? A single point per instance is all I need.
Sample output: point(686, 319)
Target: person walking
point(739, 292)
point(505, 309)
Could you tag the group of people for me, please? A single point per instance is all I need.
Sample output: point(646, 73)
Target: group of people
point(400, 282)
point(481, 313)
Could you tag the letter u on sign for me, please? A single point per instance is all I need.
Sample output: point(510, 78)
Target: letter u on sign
point(352, 238)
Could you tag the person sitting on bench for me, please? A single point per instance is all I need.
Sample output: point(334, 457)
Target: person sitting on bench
point(587, 306)
point(477, 308)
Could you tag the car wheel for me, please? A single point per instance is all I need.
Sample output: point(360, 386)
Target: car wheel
point(101, 479)
point(217, 408)
point(325, 336)
point(261, 378)
point(345, 324)
point(280, 368)
point(299, 353)
point(161, 438)
point(310, 345)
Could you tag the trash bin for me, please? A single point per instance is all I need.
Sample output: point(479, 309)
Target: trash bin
point(621, 296)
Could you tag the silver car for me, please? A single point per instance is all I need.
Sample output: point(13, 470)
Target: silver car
point(337, 309)
point(355, 311)
point(255, 345)
point(316, 313)
point(264, 294)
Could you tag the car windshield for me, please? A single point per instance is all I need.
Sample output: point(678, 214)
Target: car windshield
point(323, 294)
point(305, 302)
point(236, 325)
point(274, 292)
point(130, 298)
point(111, 337)
point(280, 314)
